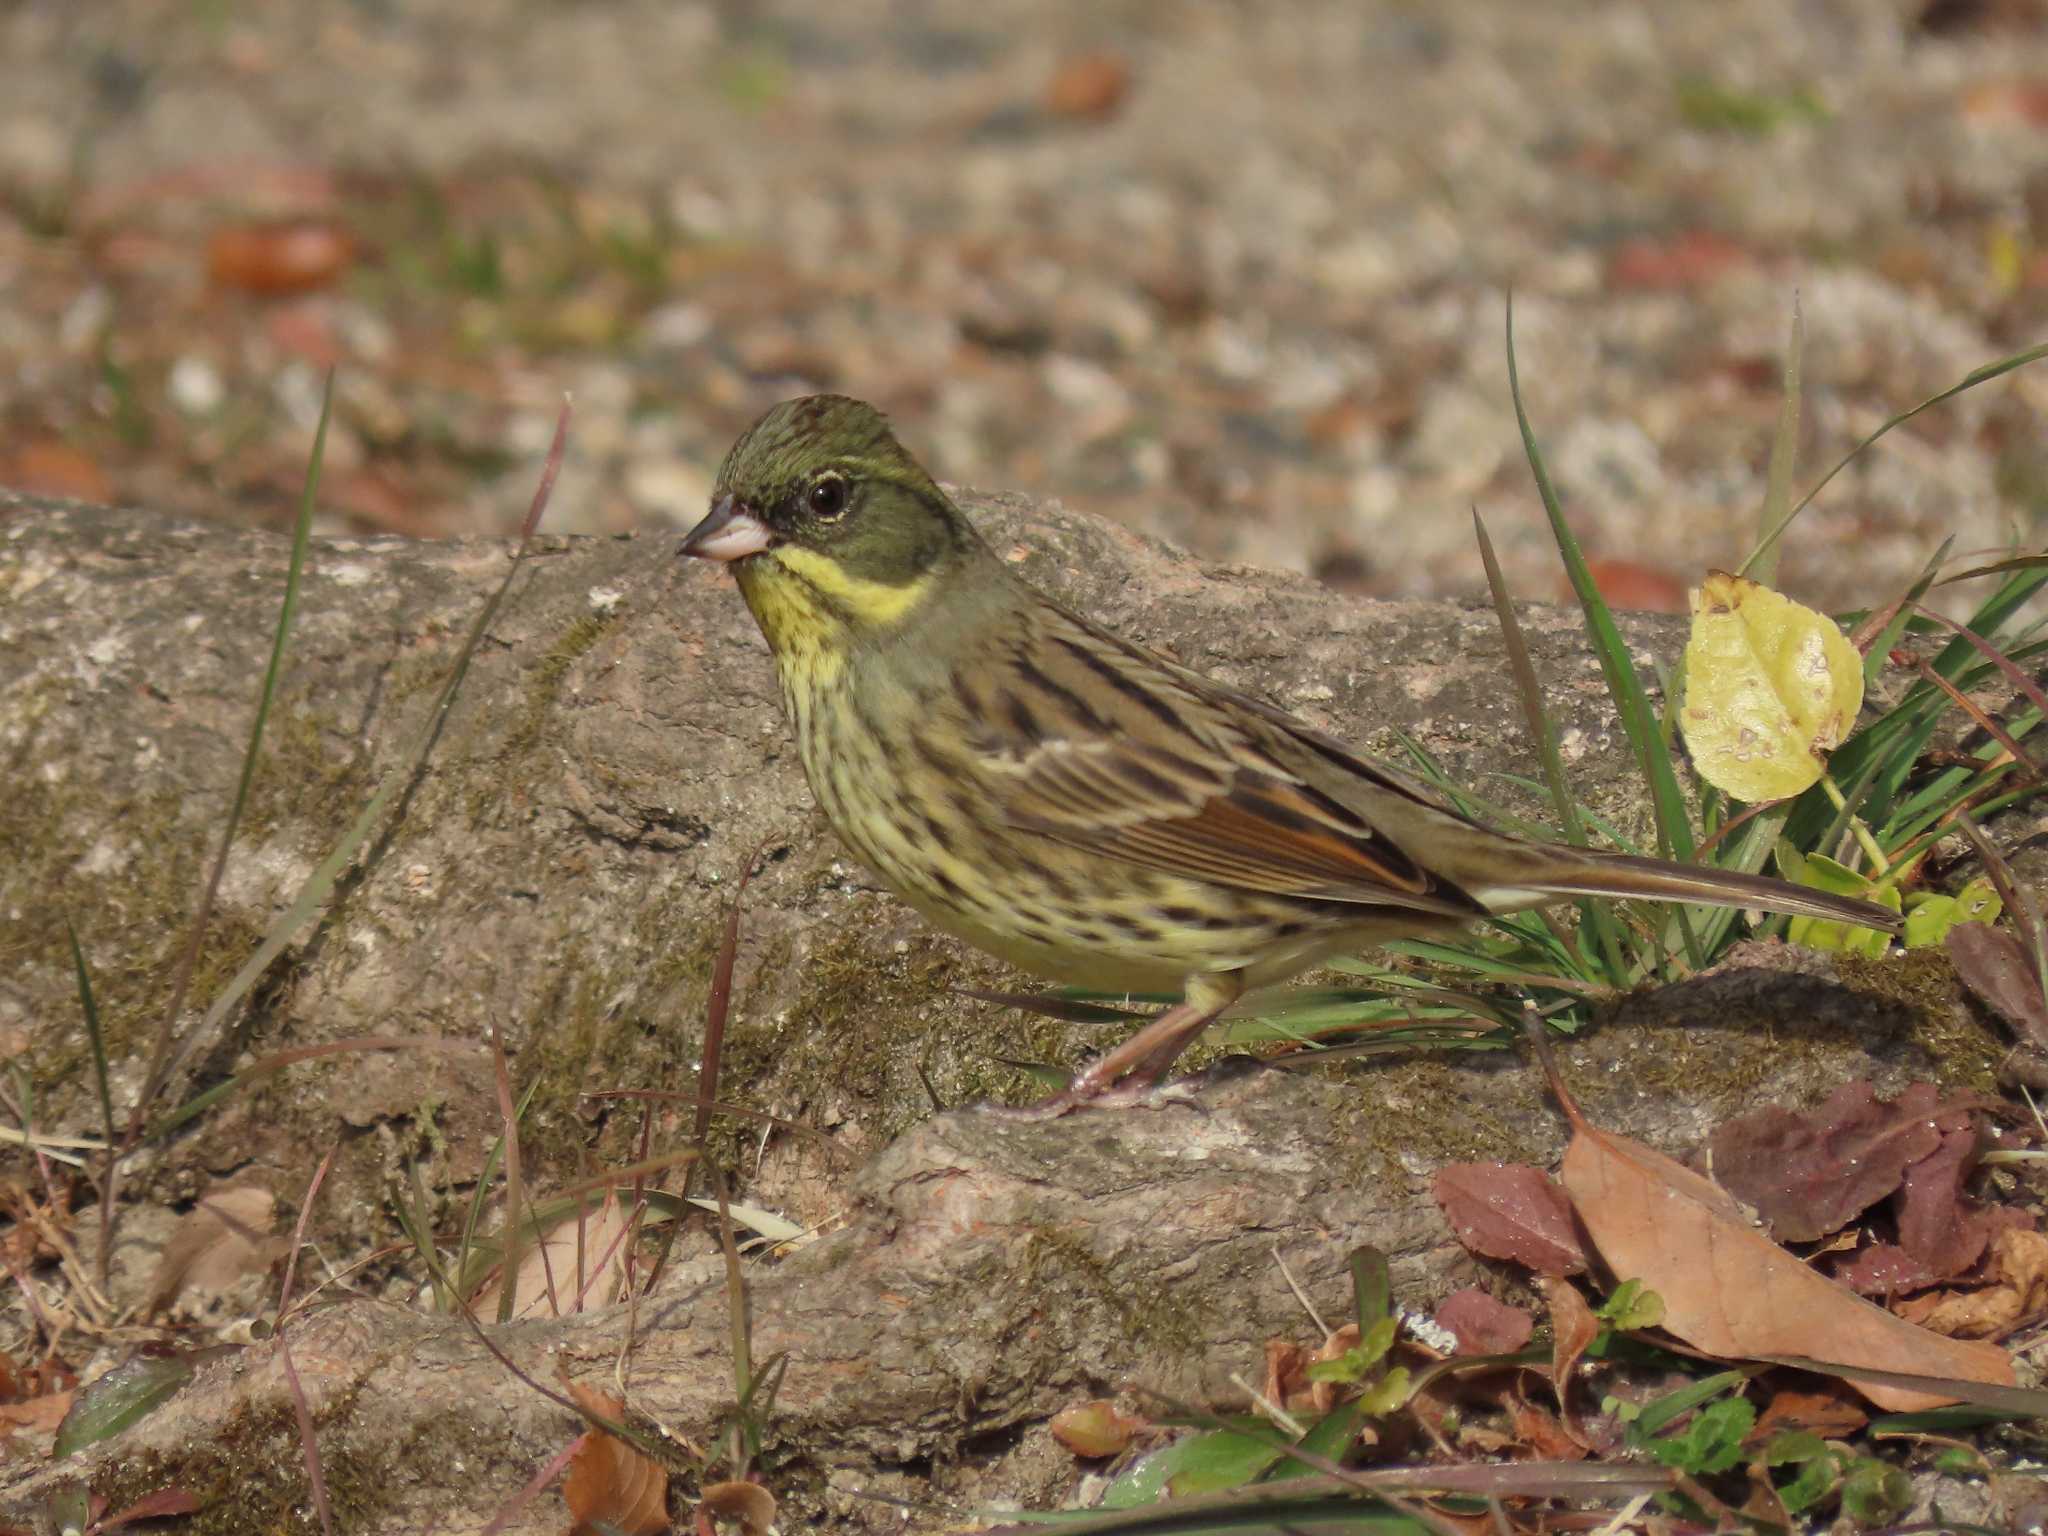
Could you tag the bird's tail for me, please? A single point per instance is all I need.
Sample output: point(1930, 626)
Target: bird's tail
point(1582, 872)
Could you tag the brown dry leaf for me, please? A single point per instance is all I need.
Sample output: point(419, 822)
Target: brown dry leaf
point(39, 1414)
point(1286, 1373)
point(1484, 1325)
point(1089, 85)
point(1994, 965)
point(1543, 1436)
point(54, 468)
point(1511, 1211)
point(1573, 1328)
point(749, 1503)
point(554, 1258)
point(1632, 585)
point(1690, 259)
point(293, 256)
point(2019, 1288)
point(221, 1239)
point(610, 1486)
point(1731, 1291)
point(1809, 1172)
point(1322, 1395)
point(1097, 1428)
point(1829, 1414)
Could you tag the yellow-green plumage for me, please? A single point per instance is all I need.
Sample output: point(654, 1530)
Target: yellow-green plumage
point(1071, 802)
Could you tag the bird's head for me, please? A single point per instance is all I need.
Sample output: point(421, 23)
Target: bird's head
point(829, 522)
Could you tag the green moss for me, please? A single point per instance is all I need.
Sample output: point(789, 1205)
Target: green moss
point(1064, 1276)
point(312, 776)
point(1922, 982)
point(544, 683)
point(127, 871)
point(1400, 1120)
point(252, 1472)
point(866, 1018)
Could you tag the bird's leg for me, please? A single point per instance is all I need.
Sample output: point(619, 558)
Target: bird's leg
point(1126, 1074)
point(1203, 1001)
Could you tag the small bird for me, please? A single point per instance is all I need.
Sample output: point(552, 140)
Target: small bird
point(1072, 802)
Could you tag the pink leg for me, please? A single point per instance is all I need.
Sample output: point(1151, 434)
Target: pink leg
point(1127, 1074)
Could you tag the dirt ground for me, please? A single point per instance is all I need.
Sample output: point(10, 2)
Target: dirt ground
point(1226, 272)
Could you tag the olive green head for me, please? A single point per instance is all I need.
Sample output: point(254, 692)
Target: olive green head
point(821, 510)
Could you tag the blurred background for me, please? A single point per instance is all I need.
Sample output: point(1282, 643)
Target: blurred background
point(1228, 272)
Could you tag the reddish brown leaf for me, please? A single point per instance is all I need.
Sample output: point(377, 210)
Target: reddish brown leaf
point(2020, 102)
point(1637, 587)
point(296, 256)
point(1688, 260)
point(610, 1486)
point(1097, 1428)
point(1883, 1269)
point(1511, 1211)
point(50, 467)
point(1935, 1227)
point(1483, 1324)
point(1731, 1291)
point(1808, 1172)
point(1994, 965)
point(1090, 85)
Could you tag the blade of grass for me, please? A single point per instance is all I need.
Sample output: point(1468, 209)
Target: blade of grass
point(1776, 513)
point(161, 1064)
point(1639, 724)
point(1976, 376)
point(508, 1115)
point(320, 884)
point(110, 1160)
point(1544, 736)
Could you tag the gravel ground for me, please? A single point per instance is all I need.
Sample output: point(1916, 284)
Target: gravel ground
point(1231, 273)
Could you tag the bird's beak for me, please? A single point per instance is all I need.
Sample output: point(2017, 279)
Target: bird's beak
point(730, 531)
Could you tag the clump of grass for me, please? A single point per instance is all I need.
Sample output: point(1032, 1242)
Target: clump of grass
point(1887, 799)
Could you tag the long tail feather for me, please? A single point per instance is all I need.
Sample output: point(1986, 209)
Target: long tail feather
point(1624, 875)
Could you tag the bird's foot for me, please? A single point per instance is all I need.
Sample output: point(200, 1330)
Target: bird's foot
point(1131, 1092)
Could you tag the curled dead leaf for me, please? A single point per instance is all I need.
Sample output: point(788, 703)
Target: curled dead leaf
point(1097, 1428)
point(1731, 1291)
point(610, 1487)
point(2019, 1289)
point(749, 1503)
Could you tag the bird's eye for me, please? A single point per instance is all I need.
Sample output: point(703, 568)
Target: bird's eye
point(827, 498)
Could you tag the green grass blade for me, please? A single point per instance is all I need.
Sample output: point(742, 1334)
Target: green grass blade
point(161, 1062)
point(92, 1033)
point(1776, 514)
point(320, 884)
point(1983, 375)
point(1638, 722)
point(1597, 917)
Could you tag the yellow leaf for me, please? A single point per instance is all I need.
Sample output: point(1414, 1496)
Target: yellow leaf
point(1770, 688)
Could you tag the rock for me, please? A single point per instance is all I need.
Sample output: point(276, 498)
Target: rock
point(562, 868)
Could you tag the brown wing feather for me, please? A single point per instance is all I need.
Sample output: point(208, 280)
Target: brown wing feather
point(1098, 744)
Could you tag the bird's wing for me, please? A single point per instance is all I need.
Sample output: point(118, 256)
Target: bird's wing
point(1090, 740)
